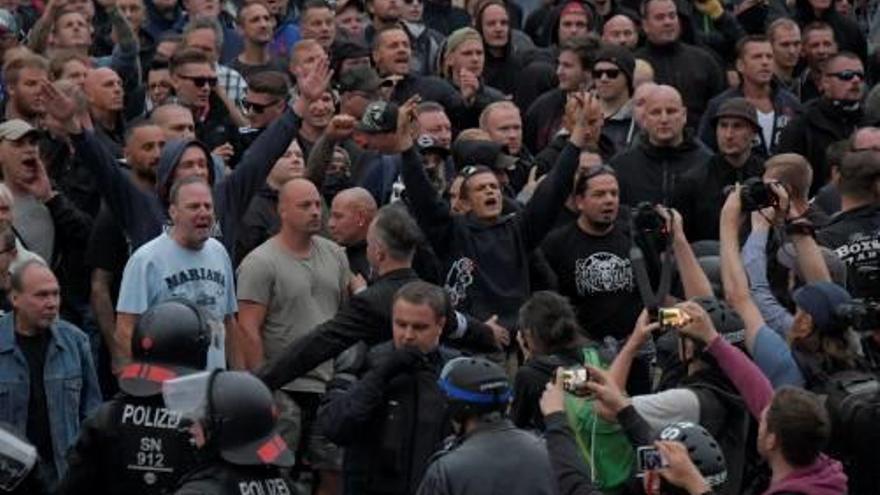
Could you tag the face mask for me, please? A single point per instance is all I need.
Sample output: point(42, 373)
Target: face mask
point(334, 183)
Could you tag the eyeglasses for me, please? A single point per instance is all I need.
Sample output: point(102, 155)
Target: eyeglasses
point(848, 75)
point(611, 73)
point(200, 81)
point(253, 107)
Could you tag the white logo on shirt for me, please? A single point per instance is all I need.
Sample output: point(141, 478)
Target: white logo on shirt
point(603, 272)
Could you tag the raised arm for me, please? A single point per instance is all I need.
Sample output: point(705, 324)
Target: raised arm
point(641, 334)
point(693, 278)
point(340, 128)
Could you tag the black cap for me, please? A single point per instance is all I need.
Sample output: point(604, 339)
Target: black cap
point(738, 107)
point(169, 340)
point(619, 56)
point(359, 79)
point(346, 47)
point(427, 144)
point(380, 117)
point(487, 153)
point(703, 449)
point(242, 419)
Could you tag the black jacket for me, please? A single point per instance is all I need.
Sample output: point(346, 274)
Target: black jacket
point(390, 422)
point(129, 445)
point(487, 264)
point(530, 382)
point(650, 173)
point(855, 236)
point(442, 16)
point(847, 33)
point(699, 194)
point(260, 222)
point(481, 461)
point(432, 88)
point(543, 119)
point(690, 69)
point(366, 317)
point(219, 477)
point(822, 123)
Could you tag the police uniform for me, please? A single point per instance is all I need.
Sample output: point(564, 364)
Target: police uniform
point(131, 445)
point(220, 477)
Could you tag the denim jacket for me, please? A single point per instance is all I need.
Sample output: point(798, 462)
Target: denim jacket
point(71, 384)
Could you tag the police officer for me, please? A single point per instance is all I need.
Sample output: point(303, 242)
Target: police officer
point(489, 455)
point(133, 443)
point(237, 435)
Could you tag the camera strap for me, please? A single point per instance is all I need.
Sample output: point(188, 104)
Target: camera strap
point(651, 299)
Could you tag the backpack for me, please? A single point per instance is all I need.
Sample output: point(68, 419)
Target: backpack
point(603, 445)
point(853, 403)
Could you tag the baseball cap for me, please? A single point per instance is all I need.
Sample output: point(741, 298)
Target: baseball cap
point(740, 108)
point(820, 300)
point(487, 153)
point(380, 117)
point(16, 129)
point(359, 79)
point(427, 144)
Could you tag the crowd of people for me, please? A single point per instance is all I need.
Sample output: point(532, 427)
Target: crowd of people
point(420, 247)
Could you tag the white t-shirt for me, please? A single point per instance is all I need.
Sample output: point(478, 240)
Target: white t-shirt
point(766, 121)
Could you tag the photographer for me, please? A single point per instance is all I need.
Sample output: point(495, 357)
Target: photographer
point(793, 427)
point(855, 232)
point(680, 457)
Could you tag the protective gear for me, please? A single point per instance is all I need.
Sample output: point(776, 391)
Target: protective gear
point(400, 360)
point(704, 451)
point(241, 419)
point(474, 386)
point(726, 321)
point(18, 458)
point(170, 339)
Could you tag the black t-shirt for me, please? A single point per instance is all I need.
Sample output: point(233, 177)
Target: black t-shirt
point(34, 348)
point(595, 273)
point(108, 248)
point(855, 236)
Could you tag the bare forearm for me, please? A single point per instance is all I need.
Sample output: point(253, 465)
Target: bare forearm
point(619, 369)
point(249, 345)
point(694, 280)
point(733, 275)
point(809, 259)
point(102, 305)
point(125, 323)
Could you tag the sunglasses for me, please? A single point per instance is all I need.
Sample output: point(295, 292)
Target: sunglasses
point(253, 107)
point(848, 75)
point(611, 73)
point(200, 81)
point(410, 2)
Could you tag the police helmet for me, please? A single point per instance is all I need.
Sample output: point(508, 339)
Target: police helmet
point(241, 421)
point(726, 321)
point(704, 451)
point(169, 340)
point(474, 386)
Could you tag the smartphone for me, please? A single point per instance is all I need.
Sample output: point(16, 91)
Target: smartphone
point(649, 458)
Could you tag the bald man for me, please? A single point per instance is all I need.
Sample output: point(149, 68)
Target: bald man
point(103, 90)
point(649, 170)
point(176, 121)
point(286, 287)
point(350, 216)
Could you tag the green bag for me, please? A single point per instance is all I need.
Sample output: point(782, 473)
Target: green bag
point(603, 445)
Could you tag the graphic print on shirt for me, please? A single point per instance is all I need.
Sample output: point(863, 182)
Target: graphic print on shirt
point(860, 249)
point(273, 486)
point(459, 278)
point(603, 272)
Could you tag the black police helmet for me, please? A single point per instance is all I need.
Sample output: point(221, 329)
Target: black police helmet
point(704, 451)
point(727, 322)
point(169, 340)
point(474, 386)
point(241, 420)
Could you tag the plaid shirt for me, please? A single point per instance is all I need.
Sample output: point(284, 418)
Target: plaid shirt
point(232, 82)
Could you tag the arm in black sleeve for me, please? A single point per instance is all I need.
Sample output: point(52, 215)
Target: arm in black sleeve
point(426, 205)
point(537, 218)
point(355, 321)
point(571, 472)
point(83, 458)
point(348, 412)
point(72, 225)
point(636, 427)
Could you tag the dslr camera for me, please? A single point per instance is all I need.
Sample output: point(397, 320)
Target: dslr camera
point(649, 224)
point(755, 195)
point(863, 313)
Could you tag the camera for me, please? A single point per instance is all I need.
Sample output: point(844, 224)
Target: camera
point(863, 313)
point(755, 194)
point(648, 222)
point(574, 379)
point(649, 459)
point(672, 318)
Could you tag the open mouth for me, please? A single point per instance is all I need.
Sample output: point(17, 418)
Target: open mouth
point(491, 202)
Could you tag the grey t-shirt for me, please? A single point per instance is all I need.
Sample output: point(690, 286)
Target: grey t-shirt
point(163, 269)
point(33, 222)
point(299, 294)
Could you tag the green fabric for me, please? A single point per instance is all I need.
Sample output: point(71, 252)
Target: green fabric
point(613, 457)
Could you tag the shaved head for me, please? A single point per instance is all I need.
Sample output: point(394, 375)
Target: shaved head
point(296, 188)
point(103, 89)
point(176, 121)
point(665, 116)
point(350, 215)
point(299, 206)
point(357, 197)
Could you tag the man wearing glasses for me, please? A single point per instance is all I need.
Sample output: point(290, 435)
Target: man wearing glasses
point(832, 117)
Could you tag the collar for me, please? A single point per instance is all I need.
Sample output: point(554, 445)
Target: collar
point(7, 333)
point(400, 273)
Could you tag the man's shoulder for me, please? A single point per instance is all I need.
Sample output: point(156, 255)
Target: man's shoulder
point(324, 244)
point(151, 248)
point(68, 331)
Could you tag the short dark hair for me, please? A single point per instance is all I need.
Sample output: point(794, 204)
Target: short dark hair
point(421, 292)
point(816, 26)
point(779, 23)
point(17, 277)
point(549, 318)
point(745, 40)
point(801, 424)
point(833, 58)
point(270, 82)
point(136, 124)
point(835, 152)
point(186, 56)
point(584, 47)
point(398, 232)
point(583, 178)
point(377, 38)
point(13, 67)
point(239, 19)
point(794, 171)
point(180, 183)
point(643, 7)
point(312, 5)
point(859, 173)
point(61, 58)
point(429, 107)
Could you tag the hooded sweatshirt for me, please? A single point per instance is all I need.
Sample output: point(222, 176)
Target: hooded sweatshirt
point(143, 213)
point(823, 477)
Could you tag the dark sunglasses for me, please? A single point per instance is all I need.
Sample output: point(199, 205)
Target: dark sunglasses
point(201, 81)
point(848, 75)
point(252, 107)
point(410, 2)
point(611, 73)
